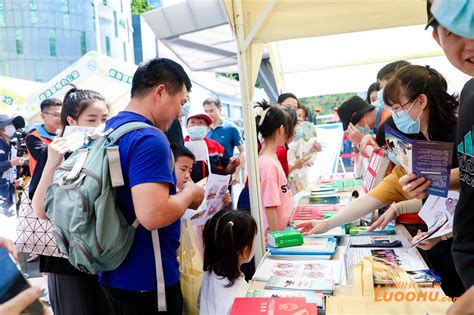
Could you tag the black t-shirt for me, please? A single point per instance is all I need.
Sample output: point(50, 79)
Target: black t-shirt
point(47, 263)
point(463, 242)
point(175, 133)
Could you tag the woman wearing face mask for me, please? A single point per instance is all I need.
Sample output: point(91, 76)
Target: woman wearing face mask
point(70, 291)
point(423, 110)
point(8, 160)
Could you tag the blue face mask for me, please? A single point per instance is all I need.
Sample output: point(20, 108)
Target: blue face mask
point(363, 130)
point(405, 123)
point(197, 132)
point(392, 157)
point(298, 134)
point(457, 16)
point(379, 101)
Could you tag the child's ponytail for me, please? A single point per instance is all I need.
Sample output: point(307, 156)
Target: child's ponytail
point(226, 236)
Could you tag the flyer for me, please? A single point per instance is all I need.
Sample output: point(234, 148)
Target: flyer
point(306, 268)
point(438, 214)
point(428, 159)
point(216, 188)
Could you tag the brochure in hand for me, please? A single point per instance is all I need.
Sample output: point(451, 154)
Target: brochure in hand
point(428, 159)
point(438, 214)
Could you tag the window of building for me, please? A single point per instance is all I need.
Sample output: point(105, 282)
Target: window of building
point(128, 31)
point(2, 13)
point(65, 6)
point(38, 72)
point(33, 12)
point(4, 69)
point(52, 43)
point(66, 21)
point(107, 46)
point(19, 41)
point(83, 43)
point(121, 6)
point(115, 24)
point(93, 15)
point(104, 2)
point(124, 52)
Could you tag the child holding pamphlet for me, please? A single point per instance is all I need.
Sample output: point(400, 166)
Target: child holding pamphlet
point(229, 242)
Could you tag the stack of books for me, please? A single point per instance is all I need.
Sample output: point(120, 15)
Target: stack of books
point(324, 196)
point(322, 246)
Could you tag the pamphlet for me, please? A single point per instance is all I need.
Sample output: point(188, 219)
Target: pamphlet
point(216, 188)
point(299, 283)
point(424, 277)
point(406, 259)
point(305, 268)
point(428, 159)
point(76, 136)
point(438, 214)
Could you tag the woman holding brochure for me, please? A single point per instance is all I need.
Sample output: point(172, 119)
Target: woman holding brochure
point(422, 109)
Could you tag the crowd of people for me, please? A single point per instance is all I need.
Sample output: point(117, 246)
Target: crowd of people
point(160, 175)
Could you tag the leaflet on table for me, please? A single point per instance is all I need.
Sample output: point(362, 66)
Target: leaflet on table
point(76, 136)
point(337, 231)
point(428, 159)
point(311, 246)
point(364, 230)
point(406, 259)
point(376, 241)
point(300, 283)
point(424, 277)
point(306, 268)
point(438, 214)
point(315, 212)
point(310, 296)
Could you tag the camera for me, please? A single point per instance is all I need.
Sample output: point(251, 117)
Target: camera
point(17, 140)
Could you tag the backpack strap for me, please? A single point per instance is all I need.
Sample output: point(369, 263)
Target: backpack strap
point(113, 136)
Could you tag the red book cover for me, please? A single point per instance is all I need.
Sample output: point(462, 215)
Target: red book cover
point(313, 212)
point(272, 306)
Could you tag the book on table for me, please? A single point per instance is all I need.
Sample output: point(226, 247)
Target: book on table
point(310, 246)
point(273, 306)
point(313, 297)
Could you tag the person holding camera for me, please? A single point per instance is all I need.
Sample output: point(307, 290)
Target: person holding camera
point(8, 159)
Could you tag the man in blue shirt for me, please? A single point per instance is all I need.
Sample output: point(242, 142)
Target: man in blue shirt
point(159, 89)
point(224, 132)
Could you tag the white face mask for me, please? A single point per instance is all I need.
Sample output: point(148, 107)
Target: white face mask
point(10, 130)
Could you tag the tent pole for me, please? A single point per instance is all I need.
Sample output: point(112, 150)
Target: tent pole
point(250, 131)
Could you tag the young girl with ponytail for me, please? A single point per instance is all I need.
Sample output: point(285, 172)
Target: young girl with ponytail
point(229, 242)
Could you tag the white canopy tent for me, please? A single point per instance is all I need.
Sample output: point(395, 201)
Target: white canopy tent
point(258, 23)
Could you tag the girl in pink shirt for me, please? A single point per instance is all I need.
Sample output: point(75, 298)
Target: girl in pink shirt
point(275, 127)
